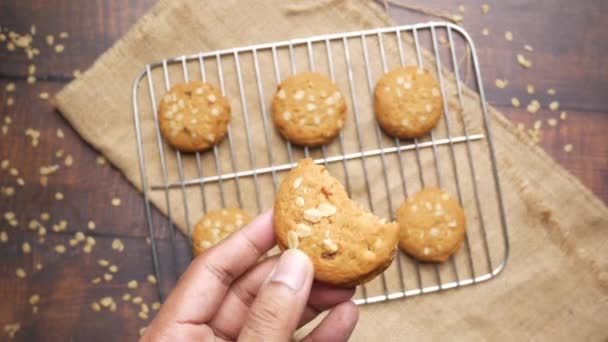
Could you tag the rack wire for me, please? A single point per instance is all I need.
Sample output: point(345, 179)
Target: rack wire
point(245, 169)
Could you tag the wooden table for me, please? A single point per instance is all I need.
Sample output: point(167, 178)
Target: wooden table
point(570, 55)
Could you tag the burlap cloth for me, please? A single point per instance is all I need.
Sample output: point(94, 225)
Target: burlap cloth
point(556, 281)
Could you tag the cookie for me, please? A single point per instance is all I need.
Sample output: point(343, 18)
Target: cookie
point(193, 116)
point(431, 225)
point(408, 102)
point(347, 245)
point(308, 109)
point(215, 226)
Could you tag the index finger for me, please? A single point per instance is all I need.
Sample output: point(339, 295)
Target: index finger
point(202, 287)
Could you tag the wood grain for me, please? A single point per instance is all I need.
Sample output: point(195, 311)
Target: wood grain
point(572, 58)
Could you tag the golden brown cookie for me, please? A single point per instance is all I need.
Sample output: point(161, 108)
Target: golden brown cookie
point(347, 245)
point(408, 102)
point(215, 226)
point(308, 109)
point(193, 116)
point(431, 225)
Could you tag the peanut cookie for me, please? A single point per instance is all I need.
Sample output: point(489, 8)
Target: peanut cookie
point(431, 225)
point(347, 245)
point(193, 116)
point(215, 226)
point(408, 102)
point(308, 109)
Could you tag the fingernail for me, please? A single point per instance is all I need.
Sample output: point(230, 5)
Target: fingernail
point(292, 269)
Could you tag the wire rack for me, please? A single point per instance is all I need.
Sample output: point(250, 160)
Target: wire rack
point(245, 169)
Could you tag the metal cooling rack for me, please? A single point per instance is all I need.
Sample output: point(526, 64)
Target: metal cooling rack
point(485, 248)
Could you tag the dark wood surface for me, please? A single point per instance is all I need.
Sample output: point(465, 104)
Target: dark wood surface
point(570, 55)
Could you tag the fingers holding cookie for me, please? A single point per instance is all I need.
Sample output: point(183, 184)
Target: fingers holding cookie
point(347, 245)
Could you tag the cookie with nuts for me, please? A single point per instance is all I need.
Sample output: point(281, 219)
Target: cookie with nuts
point(347, 245)
point(215, 226)
point(308, 109)
point(193, 116)
point(431, 225)
point(408, 102)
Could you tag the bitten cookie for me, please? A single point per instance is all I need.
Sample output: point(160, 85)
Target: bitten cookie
point(193, 116)
point(215, 226)
point(308, 109)
point(408, 102)
point(431, 225)
point(347, 245)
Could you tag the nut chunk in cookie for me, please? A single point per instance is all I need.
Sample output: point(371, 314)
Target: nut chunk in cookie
point(193, 116)
point(347, 245)
point(308, 109)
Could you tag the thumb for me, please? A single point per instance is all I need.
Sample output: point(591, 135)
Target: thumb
point(278, 307)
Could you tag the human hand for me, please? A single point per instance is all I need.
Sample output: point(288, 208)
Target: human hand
point(225, 294)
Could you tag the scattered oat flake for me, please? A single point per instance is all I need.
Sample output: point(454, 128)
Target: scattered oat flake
point(538, 124)
point(552, 122)
point(60, 249)
point(526, 63)
point(533, 106)
point(528, 48)
point(34, 299)
point(554, 106)
point(3, 237)
point(509, 35)
point(63, 35)
point(31, 69)
point(116, 201)
point(551, 91)
point(10, 101)
point(12, 329)
point(44, 95)
point(47, 170)
point(59, 48)
point(95, 306)
point(151, 279)
point(485, 8)
point(530, 89)
point(68, 160)
point(568, 148)
point(76, 73)
point(563, 115)
point(58, 196)
point(461, 8)
point(20, 272)
point(101, 160)
point(31, 79)
point(132, 284)
point(91, 225)
point(485, 31)
point(60, 134)
point(26, 248)
point(10, 87)
point(45, 216)
point(501, 83)
point(117, 245)
point(50, 40)
point(20, 181)
point(515, 102)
